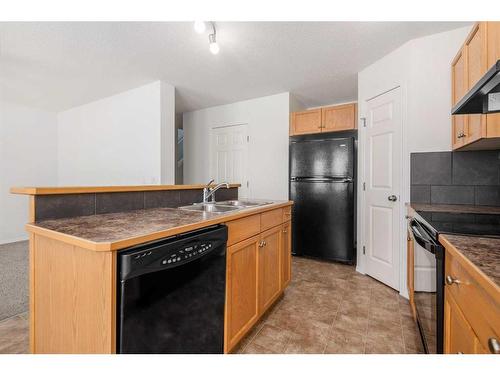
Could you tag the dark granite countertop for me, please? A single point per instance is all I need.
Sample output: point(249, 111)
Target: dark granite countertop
point(455, 208)
point(483, 252)
point(119, 230)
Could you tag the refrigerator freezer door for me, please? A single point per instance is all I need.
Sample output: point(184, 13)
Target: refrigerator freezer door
point(323, 219)
point(327, 157)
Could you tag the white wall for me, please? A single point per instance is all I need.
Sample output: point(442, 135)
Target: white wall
point(268, 123)
point(28, 152)
point(168, 133)
point(429, 104)
point(421, 68)
point(125, 139)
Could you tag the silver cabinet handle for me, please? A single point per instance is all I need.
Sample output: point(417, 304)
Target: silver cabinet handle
point(284, 230)
point(494, 345)
point(450, 280)
point(261, 244)
point(264, 243)
point(392, 198)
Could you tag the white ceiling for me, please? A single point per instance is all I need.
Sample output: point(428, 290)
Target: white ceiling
point(56, 66)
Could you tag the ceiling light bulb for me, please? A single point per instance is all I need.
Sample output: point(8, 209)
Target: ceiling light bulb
point(200, 27)
point(214, 48)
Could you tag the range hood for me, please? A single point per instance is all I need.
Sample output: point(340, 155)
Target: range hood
point(484, 97)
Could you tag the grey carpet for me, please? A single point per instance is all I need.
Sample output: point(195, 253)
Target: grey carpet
point(13, 279)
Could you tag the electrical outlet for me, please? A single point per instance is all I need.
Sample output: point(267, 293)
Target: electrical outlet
point(494, 101)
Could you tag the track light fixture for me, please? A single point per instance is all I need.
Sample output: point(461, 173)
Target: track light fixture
point(200, 27)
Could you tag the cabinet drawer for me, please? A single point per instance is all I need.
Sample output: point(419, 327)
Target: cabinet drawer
point(287, 214)
point(241, 229)
point(481, 310)
point(271, 218)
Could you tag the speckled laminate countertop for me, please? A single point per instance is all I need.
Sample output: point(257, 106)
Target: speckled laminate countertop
point(483, 252)
point(119, 230)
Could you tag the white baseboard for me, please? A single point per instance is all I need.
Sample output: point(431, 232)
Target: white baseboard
point(404, 294)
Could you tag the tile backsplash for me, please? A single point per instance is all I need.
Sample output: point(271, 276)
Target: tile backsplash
point(471, 177)
point(71, 205)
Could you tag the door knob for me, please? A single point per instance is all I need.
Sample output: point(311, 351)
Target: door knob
point(392, 198)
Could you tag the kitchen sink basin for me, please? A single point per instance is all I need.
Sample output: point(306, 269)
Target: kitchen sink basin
point(243, 203)
point(210, 208)
point(224, 206)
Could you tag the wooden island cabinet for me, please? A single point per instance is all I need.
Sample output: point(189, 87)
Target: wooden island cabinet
point(258, 269)
point(73, 268)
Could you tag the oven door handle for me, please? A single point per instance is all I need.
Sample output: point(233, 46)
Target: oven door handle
point(422, 237)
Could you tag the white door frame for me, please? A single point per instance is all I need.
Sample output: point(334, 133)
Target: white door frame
point(211, 154)
point(405, 186)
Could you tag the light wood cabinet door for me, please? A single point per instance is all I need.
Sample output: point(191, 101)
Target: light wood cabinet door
point(459, 338)
point(493, 53)
point(410, 271)
point(286, 255)
point(459, 88)
point(306, 122)
point(269, 267)
point(340, 117)
point(476, 54)
point(475, 67)
point(493, 42)
point(242, 309)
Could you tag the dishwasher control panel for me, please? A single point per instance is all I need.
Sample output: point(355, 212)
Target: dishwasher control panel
point(171, 252)
point(187, 253)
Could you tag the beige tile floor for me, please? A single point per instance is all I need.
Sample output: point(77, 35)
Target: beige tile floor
point(14, 335)
point(328, 308)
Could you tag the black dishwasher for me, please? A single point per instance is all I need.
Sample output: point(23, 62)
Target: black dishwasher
point(172, 293)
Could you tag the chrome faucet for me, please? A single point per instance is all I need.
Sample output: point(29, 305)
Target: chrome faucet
point(209, 192)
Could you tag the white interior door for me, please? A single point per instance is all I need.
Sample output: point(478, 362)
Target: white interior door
point(229, 156)
point(382, 167)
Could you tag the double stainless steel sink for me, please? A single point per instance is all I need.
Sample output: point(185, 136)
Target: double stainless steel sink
point(224, 206)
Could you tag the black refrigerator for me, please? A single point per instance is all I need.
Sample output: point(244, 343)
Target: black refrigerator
point(322, 186)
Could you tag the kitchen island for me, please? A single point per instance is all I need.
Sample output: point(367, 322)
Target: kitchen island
point(73, 261)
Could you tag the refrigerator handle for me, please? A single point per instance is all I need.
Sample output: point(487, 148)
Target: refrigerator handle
point(345, 180)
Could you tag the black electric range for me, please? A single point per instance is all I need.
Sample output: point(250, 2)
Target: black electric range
point(425, 227)
point(466, 223)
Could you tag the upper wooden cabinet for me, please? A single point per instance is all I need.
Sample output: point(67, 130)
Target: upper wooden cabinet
point(492, 42)
point(479, 52)
point(458, 89)
point(327, 119)
point(306, 122)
